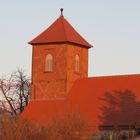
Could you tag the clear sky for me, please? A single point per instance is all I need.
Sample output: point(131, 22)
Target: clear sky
point(111, 26)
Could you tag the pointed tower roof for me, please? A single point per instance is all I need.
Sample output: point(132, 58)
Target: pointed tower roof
point(60, 32)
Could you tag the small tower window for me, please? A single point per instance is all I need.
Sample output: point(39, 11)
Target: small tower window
point(77, 63)
point(49, 63)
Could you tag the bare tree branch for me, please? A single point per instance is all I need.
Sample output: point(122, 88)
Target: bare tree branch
point(15, 91)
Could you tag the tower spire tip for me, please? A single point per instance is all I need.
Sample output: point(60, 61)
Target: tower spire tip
point(61, 11)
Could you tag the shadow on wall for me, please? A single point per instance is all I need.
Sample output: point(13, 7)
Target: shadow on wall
point(120, 108)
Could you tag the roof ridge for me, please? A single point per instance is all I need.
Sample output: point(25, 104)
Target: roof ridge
point(110, 76)
point(64, 28)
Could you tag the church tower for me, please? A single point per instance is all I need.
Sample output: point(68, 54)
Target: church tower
point(60, 56)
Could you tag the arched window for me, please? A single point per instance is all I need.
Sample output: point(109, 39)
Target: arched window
point(49, 63)
point(77, 63)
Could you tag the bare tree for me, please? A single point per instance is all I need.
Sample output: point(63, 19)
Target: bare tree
point(22, 88)
point(15, 92)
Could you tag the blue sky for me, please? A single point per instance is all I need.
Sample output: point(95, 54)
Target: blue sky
point(111, 26)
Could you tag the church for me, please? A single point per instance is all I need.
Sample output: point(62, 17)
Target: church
point(60, 82)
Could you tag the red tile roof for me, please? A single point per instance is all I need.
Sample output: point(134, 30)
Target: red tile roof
point(60, 32)
point(113, 100)
point(44, 111)
point(89, 96)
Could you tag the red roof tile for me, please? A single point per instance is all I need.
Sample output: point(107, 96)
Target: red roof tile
point(88, 96)
point(44, 111)
point(60, 32)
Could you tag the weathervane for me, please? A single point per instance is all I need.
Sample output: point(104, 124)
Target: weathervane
point(61, 11)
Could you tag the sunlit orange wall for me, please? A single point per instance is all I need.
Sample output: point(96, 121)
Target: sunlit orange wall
point(72, 76)
point(57, 83)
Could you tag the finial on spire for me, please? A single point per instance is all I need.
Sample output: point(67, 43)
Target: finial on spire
point(61, 11)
